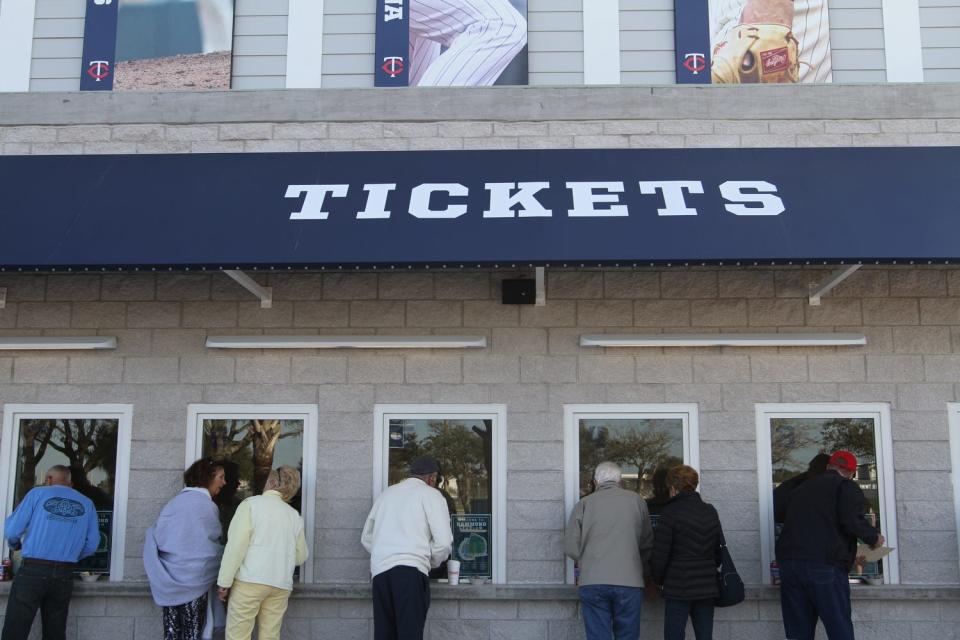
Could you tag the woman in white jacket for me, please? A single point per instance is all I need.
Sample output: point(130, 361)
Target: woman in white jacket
point(265, 543)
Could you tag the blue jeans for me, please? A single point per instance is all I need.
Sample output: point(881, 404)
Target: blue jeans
point(611, 611)
point(676, 612)
point(811, 590)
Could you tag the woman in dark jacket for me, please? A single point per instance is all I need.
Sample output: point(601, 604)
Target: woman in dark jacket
point(686, 554)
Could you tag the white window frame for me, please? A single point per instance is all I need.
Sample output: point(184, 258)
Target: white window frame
point(688, 413)
point(197, 413)
point(880, 413)
point(383, 413)
point(953, 421)
point(9, 445)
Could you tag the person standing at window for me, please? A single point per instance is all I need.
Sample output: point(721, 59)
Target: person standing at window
point(818, 547)
point(181, 553)
point(265, 543)
point(406, 534)
point(610, 535)
point(686, 554)
point(58, 527)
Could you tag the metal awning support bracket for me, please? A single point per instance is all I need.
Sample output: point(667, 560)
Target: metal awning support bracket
point(541, 300)
point(818, 290)
point(264, 293)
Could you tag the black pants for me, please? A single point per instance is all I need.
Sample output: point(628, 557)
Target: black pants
point(676, 612)
point(44, 587)
point(401, 598)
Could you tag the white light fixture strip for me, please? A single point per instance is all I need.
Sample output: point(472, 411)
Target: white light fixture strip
point(724, 340)
point(34, 343)
point(347, 342)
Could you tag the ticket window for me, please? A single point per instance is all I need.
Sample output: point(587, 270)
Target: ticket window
point(93, 442)
point(644, 440)
point(466, 447)
point(794, 439)
point(249, 441)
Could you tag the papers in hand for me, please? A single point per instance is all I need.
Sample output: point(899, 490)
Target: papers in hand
point(873, 555)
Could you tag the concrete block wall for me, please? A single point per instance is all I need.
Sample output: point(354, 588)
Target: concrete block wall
point(534, 366)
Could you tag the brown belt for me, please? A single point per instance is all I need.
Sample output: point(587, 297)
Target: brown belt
point(49, 563)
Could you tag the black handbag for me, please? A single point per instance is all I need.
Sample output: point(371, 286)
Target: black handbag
point(729, 584)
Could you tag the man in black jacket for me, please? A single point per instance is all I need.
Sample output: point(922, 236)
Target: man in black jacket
point(817, 548)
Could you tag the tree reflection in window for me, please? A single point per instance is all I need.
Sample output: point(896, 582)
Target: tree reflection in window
point(88, 447)
point(643, 447)
point(795, 441)
point(249, 448)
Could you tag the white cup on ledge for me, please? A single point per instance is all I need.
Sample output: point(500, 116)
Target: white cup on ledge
point(453, 572)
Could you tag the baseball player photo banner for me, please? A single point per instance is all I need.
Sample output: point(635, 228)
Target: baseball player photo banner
point(755, 41)
point(165, 45)
point(451, 43)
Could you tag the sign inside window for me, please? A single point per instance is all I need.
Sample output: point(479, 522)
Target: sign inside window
point(465, 453)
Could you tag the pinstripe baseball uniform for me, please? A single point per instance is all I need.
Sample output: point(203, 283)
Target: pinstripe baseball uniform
point(811, 28)
point(463, 43)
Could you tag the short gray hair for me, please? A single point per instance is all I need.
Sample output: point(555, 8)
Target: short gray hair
point(62, 472)
point(607, 472)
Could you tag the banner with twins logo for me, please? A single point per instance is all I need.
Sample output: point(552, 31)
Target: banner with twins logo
point(451, 43)
point(752, 41)
point(157, 45)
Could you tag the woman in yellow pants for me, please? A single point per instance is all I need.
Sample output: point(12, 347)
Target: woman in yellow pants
point(265, 543)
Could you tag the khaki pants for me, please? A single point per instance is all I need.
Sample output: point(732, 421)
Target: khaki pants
point(249, 602)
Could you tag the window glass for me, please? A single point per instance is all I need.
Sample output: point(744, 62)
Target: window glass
point(465, 453)
point(794, 442)
point(88, 446)
point(645, 448)
point(249, 448)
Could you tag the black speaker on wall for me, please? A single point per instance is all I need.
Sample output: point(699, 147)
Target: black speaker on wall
point(520, 291)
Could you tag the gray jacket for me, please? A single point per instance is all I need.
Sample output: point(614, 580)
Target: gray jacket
point(609, 534)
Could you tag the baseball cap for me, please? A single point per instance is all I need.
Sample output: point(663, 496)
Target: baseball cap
point(844, 459)
point(424, 466)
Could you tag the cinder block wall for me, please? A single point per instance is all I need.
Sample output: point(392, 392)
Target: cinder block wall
point(911, 315)
point(534, 366)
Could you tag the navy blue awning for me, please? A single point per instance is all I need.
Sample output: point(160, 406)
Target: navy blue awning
point(470, 208)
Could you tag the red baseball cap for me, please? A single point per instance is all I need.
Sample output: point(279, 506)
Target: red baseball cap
point(844, 460)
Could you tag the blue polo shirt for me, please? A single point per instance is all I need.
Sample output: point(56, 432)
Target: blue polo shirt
point(54, 523)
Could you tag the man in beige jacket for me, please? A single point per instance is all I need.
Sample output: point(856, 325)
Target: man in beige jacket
point(265, 543)
point(610, 535)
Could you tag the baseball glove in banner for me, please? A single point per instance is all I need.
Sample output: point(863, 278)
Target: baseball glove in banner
point(756, 53)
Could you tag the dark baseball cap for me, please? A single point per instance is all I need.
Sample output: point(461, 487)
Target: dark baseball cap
point(844, 460)
point(424, 467)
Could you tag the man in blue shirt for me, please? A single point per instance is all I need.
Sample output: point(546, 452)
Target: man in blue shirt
point(55, 526)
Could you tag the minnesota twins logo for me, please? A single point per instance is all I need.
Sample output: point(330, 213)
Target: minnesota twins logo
point(695, 62)
point(98, 69)
point(393, 66)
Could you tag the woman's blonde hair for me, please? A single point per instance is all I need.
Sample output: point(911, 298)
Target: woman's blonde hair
point(286, 480)
point(683, 478)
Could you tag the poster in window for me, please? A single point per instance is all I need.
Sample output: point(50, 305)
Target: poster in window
point(451, 43)
point(471, 543)
point(752, 41)
point(99, 562)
